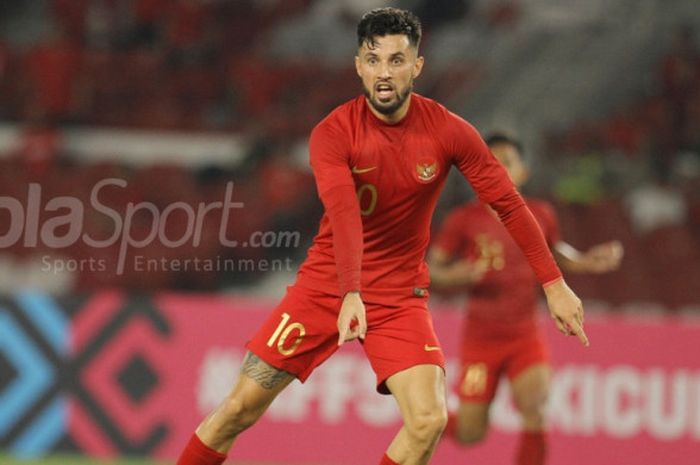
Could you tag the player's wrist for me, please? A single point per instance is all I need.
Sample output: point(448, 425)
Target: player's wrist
point(554, 286)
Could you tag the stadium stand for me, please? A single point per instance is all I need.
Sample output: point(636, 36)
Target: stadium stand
point(610, 122)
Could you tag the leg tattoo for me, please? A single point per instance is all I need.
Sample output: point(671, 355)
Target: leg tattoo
point(267, 376)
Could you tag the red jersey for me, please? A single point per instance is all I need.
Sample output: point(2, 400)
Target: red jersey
point(504, 302)
point(380, 183)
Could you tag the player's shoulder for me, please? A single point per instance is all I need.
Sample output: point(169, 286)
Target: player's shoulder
point(433, 108)
point(341, 117)
point(438, 109)
point(441, 119)
point(540, 207)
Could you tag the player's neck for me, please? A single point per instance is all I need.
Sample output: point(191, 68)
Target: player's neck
point(394, 118)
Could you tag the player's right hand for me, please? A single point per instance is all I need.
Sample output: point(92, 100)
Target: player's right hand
point(352, 322)
point(566, 310)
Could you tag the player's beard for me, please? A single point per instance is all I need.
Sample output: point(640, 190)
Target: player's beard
point(389, 108)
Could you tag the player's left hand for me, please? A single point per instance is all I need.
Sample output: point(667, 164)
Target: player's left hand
point(604, 257)
point(566, 309)
point(352, 322)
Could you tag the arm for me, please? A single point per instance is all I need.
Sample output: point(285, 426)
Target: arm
point(492, 184)
point(343, 212)
point(445, 273)
point(446, 270)
point(600, 258)
point(565, 307)
point(336, 188)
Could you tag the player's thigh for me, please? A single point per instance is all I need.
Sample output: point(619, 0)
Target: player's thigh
point(482, 362)
point(300, 334)
point(257, 386)
point(420, 393)
point(530, 388)
point(259, 382)
point(400, 337)
point(529, 373)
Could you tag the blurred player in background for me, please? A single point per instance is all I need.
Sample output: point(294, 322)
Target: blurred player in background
point(501, 335)
point(380, 161)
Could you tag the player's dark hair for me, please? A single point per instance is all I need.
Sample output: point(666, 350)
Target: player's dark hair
point(385, 21)
point(498, 138)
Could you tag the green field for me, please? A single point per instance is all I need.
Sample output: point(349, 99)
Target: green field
point(76, 460)
point(80, 460)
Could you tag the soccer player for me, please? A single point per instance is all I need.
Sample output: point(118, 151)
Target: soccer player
point(379, 161)
point(500, 336)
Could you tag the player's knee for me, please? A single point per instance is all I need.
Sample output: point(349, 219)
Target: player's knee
point(238, 415)
point(469, 435)
point(533, 418)
point(427, 426)
point(532, 411)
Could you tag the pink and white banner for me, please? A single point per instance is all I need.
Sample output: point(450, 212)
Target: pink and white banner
point(633, 397)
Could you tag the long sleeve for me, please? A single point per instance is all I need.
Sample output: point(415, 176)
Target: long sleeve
point(494, 187)
point(336, 189)
point(524, 229)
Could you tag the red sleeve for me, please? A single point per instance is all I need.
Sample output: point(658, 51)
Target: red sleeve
point(547, 218)
point(493, 186)
point(336, 188)
point(523, 227)
point(449, 237)
point(474, 159)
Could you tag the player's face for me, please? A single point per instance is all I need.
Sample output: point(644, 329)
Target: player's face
point(510, 158)
point(387, 70)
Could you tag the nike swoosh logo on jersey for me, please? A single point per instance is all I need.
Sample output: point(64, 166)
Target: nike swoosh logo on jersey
point(357, 170)
point(428, 348)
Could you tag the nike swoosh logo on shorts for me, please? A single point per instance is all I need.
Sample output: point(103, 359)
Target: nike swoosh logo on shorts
point(357, 170)
point(428, 348)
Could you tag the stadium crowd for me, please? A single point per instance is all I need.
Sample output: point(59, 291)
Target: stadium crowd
point(256, 68)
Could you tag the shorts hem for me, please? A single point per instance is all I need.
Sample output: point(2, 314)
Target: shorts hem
point(381, 384)
point(517, 371)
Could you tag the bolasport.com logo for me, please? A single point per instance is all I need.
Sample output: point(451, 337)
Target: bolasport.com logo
point(58, 223)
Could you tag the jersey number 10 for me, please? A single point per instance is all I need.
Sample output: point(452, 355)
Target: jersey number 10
point(282, 333)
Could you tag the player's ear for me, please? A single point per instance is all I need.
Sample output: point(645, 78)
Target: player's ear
point(418, 66)
point(357, 65)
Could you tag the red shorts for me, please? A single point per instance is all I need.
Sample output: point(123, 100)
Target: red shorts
point(302, 332)
point(484, 361)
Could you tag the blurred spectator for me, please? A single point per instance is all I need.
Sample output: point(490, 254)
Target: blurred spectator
point(186, 27)
point(70, 15)
point(6, 87)
point(656, 204)
point(681, 67)
point(148, 16)
point(52, 70)
point(681, 77)
point(39, 149)
point(4, 60)
point(100, 25)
